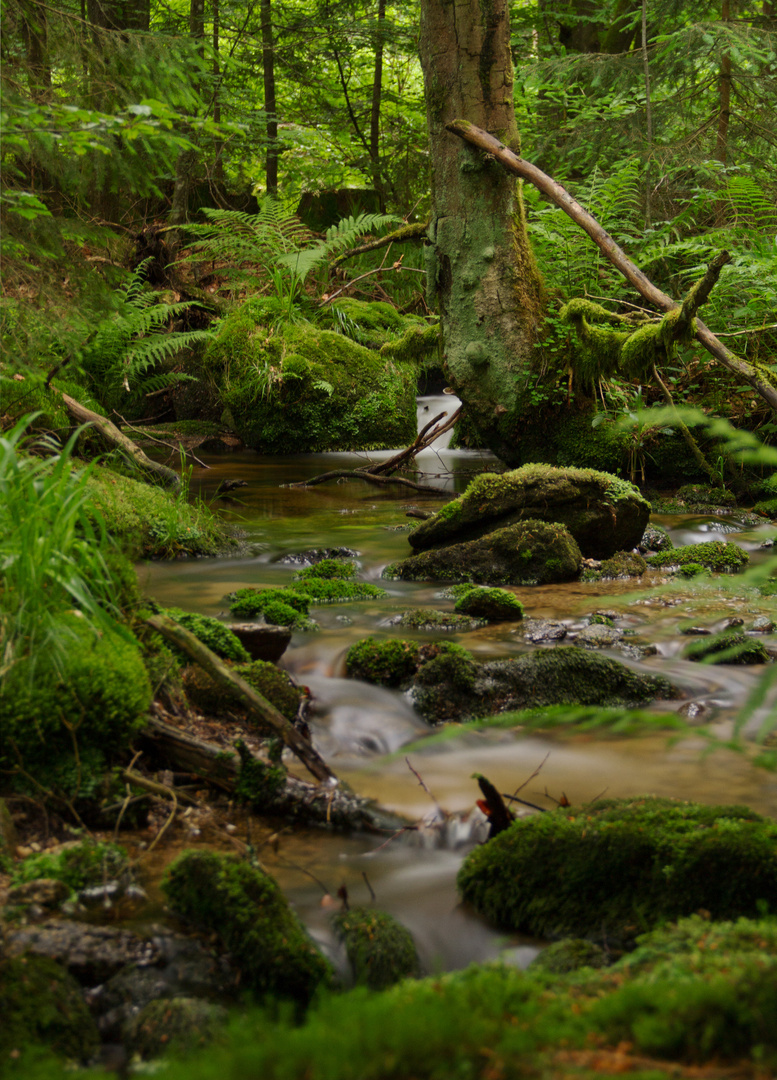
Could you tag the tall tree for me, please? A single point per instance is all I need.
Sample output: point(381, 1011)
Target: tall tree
point(481, 272)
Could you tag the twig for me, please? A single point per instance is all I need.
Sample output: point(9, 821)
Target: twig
point(535, 773)
point(162, 442)
point(420, 780)
point(166, 825)
point(128, 798)
point(370, 478)
point(523, 802)
point(394, 835)
point(367, 883)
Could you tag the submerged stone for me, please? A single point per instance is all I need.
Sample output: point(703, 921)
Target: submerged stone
point(526, 553)
point(602, 512)
point(726, 648)
point(612, 870)
point(380, 950)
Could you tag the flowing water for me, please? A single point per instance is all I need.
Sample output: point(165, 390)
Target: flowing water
point(366, 733)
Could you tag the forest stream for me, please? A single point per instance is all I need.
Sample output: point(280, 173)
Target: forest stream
point(366, 732)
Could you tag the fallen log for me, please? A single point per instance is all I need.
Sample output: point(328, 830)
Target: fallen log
point(560, 197)
point(297, 801)
point(239, 690)
point(111, 434)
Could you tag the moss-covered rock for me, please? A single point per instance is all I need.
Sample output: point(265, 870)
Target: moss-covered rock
point(655, 538)
point(527, 553)
point(99, 698)
point(569, 955)
point(380, 950)
point(279, 607)
point(715, 555)
point(455, 688)
point(246, 908)
point(602, 512)
point(179, 1025)
point(623, 564)
point(273, 684)
point(495, 605)
point(619, 867)
point(339, 569)
point(728, 647)
point(42, 1006)
point(445, 622)
point(385, 663)
point(211, 632)
point(78, 864)
point(337, 590)
point(702, 496)
point(298, 389)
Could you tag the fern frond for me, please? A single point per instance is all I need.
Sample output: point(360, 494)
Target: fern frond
point(147, 352)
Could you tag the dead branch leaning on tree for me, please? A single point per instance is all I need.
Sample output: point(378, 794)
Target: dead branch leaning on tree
point(482, 140)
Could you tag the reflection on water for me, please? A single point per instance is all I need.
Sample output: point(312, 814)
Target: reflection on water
point(366, 731)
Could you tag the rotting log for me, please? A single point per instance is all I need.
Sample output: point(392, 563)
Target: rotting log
point(297, 801)
point(243, 693)
point(560, 197)
point(112, 435)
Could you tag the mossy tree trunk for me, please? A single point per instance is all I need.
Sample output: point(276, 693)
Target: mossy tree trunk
point(481, 274)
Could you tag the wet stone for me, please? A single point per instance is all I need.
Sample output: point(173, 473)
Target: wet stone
point(42, 893)
point(317, 555)
point(91, 953)
point(762, 625)
point(538, 630)
point(262, 642)
point(598, 636)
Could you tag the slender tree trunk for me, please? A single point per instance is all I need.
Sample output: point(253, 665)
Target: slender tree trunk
point(481, 273)
point(648, 116)
point(270, 103)
point(218, 146)
point(186, 164)
point(35, 33)
point(724, 107)
point(377, 91)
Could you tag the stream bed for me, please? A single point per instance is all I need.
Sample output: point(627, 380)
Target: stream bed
point(366, 733)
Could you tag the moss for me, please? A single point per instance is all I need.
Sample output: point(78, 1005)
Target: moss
point(448, 663)
point(30, 394)
point(704, 495)
point(602, 512)
point(716, 555)
point(300, 389)
point(623, 565)
point(380, 950)
point(386, 663)
point(329, 569)
point(655, 538)
point(601, 620)
point(336, 590)
point(569, 955)
point(617, 867)
point(246, 908)
point(527, 553)
point(151, 523)
point(42, 1006)
point(279, 607)
point(496, 605)
point(432, 619)
point(273, 684)
point(174, 1025)
point(211, 632)
point(726, 648)
point(97, 703)
point(692, 569)
point(420, 342)
point(259, 782)
point(77, 865)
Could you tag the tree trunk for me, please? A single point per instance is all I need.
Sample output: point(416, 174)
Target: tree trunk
point(481, 273)
point(377, 91)
point(724, 106)
point(270, 102)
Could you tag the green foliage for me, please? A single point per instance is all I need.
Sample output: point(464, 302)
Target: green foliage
point(54, 555)
point(618, 866)
point(387, 663)
point(280, 607)
point(246, 908)
point(569, 955)
point(726, 648)
point(126, 358)
point(258, 782)
point(78, 865)
point(329, 569)
point(380, 950)
point(337, 590)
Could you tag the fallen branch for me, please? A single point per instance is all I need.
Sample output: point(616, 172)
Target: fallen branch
point(297, 801)
point(560, 197)
point(111, 434)
point(161, 442)
point(241, 691)
point(416, 231)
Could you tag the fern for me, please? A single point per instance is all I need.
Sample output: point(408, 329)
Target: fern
point(127, 349)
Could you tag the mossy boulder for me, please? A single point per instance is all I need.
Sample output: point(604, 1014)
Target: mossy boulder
point(623, 564)
point(456, 687)
point(495, 605)
point(385, 663)
point(655, 538)
point(728, 647)
point(445, 622)
point(270, 681)
point(371, 323)
point(99, 695)
point(279, 607)
point(380, 950)
point(180, 1025)
point(246, 908)
point(603, 513)
point(718, 556)
point(296, 388)
point(337, 590)
point(42, 1006)
point(78, 864)
point(339, 569)
point(616, 868)
point(526, 553)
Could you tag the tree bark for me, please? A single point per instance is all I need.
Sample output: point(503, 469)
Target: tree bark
point(481, 273)
point(377, 92)
point(724, 105)
point(749, 373)
point(270, 102)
